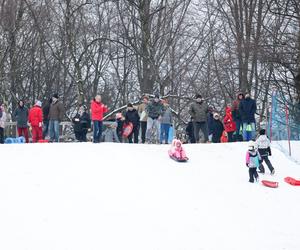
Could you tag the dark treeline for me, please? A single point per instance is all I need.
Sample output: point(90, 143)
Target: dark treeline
point(121, 49)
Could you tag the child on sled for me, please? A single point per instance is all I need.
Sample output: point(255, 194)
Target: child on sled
point(177, 152)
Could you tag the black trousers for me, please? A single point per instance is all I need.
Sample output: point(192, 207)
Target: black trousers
point(265, 159)
point(1, 135)
point(252, 174)
point(143, 131)
point(230, 136)
point(135, 134)
point(81, 135)
point(203, 126)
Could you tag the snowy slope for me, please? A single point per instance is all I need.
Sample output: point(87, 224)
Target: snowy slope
point(120, 196)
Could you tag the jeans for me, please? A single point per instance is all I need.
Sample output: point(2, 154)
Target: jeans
point(204, 129)
point(1, 135)
point(239, 127)
point(45, 128)
point(143, 131)
point(54, 130)
point(248, 135)
point(164, 132)
point(97, 131)
point(152, 125)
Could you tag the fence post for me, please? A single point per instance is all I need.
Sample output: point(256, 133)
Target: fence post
point(288, 128)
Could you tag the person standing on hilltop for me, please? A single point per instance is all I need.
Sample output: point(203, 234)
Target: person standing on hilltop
point(97, 111)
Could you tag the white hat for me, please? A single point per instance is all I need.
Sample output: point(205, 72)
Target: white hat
point(38, 103)
point(251, 145)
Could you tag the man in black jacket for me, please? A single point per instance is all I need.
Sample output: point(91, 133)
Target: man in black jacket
point(247, 109)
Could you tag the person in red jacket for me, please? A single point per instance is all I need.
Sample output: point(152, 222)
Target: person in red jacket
point(35, 118)
point(97, 111)
point(229, 124)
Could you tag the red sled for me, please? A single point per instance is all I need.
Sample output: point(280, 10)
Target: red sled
point(271, 184)
point(43, 141)
point(292, 181)
point(127, 129)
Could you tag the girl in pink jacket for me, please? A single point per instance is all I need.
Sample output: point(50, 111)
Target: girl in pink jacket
point(177, 152)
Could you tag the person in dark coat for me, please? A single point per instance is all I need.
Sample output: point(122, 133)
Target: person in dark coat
point(133, 117)
point(82, 123)
point(237, 116)
point(56, 115)
point(198, 111)
point(190, 131)
point(46, 109)
point(210, 119)
point(247, 109)
point(120, 123)
point(21, 117)
point(217, 128)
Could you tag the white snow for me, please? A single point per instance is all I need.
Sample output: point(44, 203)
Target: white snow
point(120, 196)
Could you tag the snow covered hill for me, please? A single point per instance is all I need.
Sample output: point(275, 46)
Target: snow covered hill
point(121, 196)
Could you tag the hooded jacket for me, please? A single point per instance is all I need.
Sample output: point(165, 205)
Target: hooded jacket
point(56, 112)
point(228, 121)
point(154, 109)
point(98, 109)
point(35, 117)
point(21, 116)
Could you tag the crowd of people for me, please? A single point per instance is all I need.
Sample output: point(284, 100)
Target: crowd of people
point(150, 121)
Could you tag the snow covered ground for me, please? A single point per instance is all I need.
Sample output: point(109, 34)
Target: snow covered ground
point(120, 196)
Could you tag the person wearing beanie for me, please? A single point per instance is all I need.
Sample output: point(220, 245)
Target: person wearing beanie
point(143, 117)
point(154, 111)
point(56, 115)
point(133, 117)
point(217, 128)
point(247, 109)
point(35, 119)
point(252, 161)
point(198, 111)
point(21, 117)
point(263, 145)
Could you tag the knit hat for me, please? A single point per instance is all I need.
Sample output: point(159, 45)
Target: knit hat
point(38, 103)
point(262, 132)
point(118, 115)
point(251, 145)
point(55, 96)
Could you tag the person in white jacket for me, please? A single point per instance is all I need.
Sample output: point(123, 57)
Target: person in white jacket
point(264, 149)
point(2, 122)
